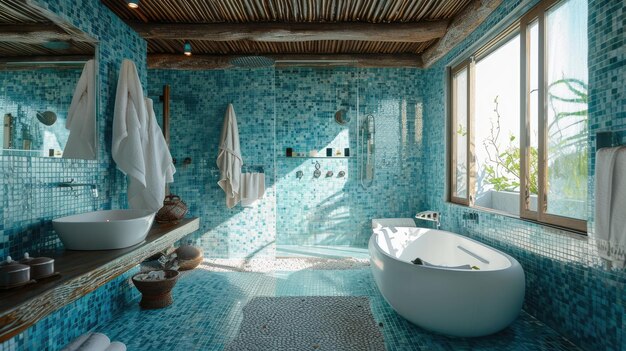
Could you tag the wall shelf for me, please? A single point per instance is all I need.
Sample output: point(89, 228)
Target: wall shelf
point(318, 157)
point(81, 272)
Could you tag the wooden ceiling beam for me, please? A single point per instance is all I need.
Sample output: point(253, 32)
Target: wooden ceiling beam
point(46, 59)
point(208, 62)
point(34, 33)
point(461, 26)
point(416, 32)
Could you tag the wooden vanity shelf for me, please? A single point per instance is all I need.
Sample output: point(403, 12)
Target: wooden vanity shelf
point(81, 272)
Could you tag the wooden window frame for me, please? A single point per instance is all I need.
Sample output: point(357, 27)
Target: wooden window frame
point(538, 13)
point(467, 200)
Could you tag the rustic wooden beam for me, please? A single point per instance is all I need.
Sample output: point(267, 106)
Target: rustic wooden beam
point(461, 26)
point(81, 272)
point(416, 32)
point(70, 29)
point(32, 63)
point(46, 59)
point(32, 33)
point(208, 62)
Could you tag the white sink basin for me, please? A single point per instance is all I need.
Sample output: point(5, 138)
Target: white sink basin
point(104, 230)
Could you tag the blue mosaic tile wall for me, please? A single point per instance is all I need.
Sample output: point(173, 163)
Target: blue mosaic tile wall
point(24, 93)
point(567, 286)
point(334, 210)
point(30, 202)
point(198, 103)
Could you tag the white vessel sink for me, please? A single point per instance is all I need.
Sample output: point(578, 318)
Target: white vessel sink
point(104, 230)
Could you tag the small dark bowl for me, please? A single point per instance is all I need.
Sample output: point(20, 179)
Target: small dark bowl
point(156, 293)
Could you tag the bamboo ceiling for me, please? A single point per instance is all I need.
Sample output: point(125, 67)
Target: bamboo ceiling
point(263, 12)
point(245, 11)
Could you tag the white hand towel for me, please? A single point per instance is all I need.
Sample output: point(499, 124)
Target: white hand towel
point(229, 159)
point(159, 168)
point(116, 346)
point(610, 204)
point(95, 342)
point(75, 344)
point(129, 124)
point(81, 117)
point(252, 188)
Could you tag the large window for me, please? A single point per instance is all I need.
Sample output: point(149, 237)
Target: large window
point(518, 131)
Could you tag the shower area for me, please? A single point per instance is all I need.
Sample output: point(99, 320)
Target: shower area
point(368, 120)
point(354, 140)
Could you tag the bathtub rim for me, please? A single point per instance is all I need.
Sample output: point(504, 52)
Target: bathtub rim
point(513, 262)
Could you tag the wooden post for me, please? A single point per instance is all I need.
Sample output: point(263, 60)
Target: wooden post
point(166, 123)
point(166, 113)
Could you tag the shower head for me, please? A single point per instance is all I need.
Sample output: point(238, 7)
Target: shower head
point(252, 62)
point(47, 117)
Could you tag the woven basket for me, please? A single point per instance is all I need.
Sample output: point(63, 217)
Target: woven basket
point(156, 293)
point(174, 209)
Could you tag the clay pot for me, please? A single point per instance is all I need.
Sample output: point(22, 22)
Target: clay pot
point(189, 257)
point(156, 293)
point(40, 267)
point(13, 274)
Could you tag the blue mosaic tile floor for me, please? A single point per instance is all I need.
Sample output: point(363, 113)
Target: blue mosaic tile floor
point(207, 313)
point(321, 251)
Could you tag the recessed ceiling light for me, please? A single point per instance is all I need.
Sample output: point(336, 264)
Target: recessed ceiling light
point(133, 4)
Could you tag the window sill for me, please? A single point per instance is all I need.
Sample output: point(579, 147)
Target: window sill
point(583, 235)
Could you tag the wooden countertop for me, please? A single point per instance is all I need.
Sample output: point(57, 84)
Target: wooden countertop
point(81, 272)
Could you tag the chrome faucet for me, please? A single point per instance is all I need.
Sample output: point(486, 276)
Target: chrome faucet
point(432, 216)
point(72, 185)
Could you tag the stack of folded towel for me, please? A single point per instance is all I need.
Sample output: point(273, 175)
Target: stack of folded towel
point(94, 342)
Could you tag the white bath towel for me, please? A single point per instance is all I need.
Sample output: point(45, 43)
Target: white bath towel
point(116, 346)
point(252, 188)
point(139, 148)
point(611, 205)
point(159, 168)
point(229, 159)
point(95, 342)
point(129, 124)
point(81, 117)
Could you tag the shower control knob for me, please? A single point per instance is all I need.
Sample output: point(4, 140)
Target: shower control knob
point(317, 173)
point(341, 174)
point(299, 174)
point(329, 174)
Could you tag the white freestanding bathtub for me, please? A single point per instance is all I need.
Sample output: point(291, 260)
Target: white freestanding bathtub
point(452, 301)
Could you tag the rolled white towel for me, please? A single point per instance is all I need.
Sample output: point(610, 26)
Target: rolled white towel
point(95, 342)
point(116, 346)
point(75, 344)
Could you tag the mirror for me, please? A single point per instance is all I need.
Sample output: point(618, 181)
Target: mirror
point(41, 65)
